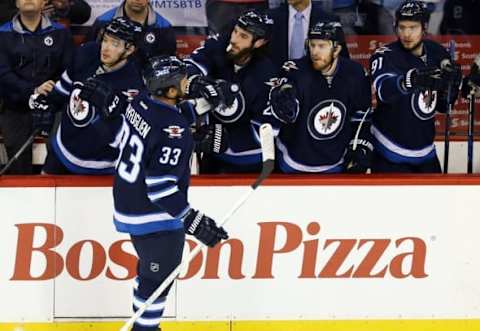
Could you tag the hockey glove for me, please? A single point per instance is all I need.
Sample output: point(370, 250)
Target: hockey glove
point(42, 114)
point(212, 138)
point(101, 95)
point(203, 228)
point(358, 161)
point(469, 86)
point(283, 101)
point(427, 78)
point(204, 87)
point(471, 83)
point(228, 93)
point(452, 75)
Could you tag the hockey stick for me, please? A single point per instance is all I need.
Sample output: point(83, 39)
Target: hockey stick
point(471, 128)
point(27, 143)
point(357, 134)
point(268, 156)
point(446, 150)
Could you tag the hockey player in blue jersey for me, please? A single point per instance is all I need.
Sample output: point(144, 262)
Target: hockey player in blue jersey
point(411, 78)
point(237, 58)
point(84, 143)
point(329, 133)
point(151, 183)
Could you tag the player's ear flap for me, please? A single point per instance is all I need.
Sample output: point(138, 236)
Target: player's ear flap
point(306, 46)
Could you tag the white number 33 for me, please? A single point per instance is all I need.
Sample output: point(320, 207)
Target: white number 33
point(170, 155)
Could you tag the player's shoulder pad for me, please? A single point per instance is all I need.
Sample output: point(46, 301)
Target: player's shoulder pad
point(85, 54)
point(382, 50)
point(354, 68)
point(435, 48)
point(289, 66)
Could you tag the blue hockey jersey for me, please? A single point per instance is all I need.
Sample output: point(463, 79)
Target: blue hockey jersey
point(330, 110)
point(249, 111)
point(403, 124)
point(153, 173)
point(84, 142)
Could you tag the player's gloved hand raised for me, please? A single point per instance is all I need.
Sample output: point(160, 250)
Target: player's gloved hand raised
point(228, 93)
point(42, 114)
point(358, 161)
point(283, 100)
point(211, 138)
point(199, 86)
point(100, 94)
point(203, 228)
point(426, 78)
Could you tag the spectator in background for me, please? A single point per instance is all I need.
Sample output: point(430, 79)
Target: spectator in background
point(34, 53)
point(158, 35)
point(291, 23)
point(459, 17)
point(75, 11)
point(347, 11)
point(380, 16)
point(221, 13)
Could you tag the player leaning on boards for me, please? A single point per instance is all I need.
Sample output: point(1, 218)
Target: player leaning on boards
point(84, 142)
point(331, 132)
point(152, 179)
point(411, 78)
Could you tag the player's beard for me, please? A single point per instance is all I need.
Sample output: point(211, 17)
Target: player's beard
point(241, 56)
point(323, 65)
point(415, 46)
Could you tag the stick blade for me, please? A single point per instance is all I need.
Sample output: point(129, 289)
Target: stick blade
point(266, 141)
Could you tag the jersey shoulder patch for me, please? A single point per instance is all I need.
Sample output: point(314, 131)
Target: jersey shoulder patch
point(289, 66)
point(383, 50)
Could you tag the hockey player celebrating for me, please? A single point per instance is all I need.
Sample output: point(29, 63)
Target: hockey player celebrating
point(84, 142)
point(236, 58)
point(151, 183)
point(331, 132)
point(411, 78)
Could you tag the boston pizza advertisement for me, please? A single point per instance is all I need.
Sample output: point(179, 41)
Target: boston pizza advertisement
point(295, 252)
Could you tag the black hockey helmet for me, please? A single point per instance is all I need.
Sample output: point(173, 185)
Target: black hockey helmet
point(260, 25)
point(124, 29)
point(412, 10)
point(330, 30)
point(162, 72)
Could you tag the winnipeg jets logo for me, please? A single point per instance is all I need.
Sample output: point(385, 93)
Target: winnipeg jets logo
point(80, 112)
point(174, 131)
point(382, 50)
point(233, 112)
point(48, 41)
point(423, 104)
point(150, 38)
point(326, 119)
